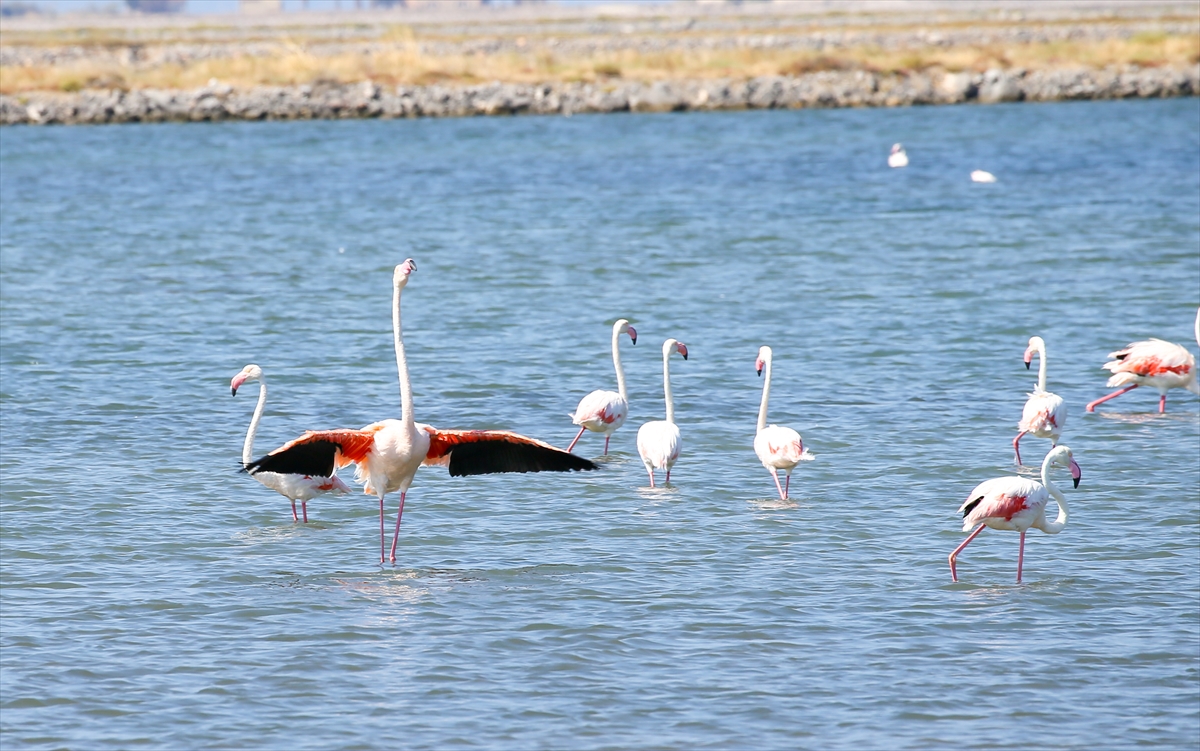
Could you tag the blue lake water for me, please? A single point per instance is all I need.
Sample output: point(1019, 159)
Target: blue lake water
point(154, 598)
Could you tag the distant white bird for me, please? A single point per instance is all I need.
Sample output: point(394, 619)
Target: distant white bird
point(777, 447)
point(1045, 414)
point(1154, 363)
point(1016, 503)
point(980, 176)
point(898, 157)
point(294, 486)
point(658, 441)
point(604, 411)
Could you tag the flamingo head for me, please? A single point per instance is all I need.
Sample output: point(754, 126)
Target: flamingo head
point(897, 148)
point(1061, 456)
point(403, 271)
point(1036, 344)
point(249, 373)
point(622, 327)
point(764, 358)
point(673, 345)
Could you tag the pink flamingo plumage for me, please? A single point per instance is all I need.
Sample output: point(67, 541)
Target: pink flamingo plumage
point(777, 447)
point(604, 411)
point(294, 487)
point(1045, 414)
point(1016, 503)
point(387, 454)
point(1154, 363)
point(658, 441)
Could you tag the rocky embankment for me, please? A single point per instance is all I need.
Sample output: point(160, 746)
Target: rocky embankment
point(366, 100)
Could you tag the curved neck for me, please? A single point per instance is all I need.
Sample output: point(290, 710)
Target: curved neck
point(406, 398)
point(248, 446)
point(1041, 367)
point(616, 340)
point(667, 385)
point(762, 409)
point(1060, 521)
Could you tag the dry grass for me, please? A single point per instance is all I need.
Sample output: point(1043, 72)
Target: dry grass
point(402, 62)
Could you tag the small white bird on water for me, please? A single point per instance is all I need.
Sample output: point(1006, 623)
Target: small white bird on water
point(777, 447)
point(982, 176)
point(898, 157)
point(658, 441)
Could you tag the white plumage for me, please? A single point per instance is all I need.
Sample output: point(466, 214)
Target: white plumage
point(658, 441)
point(605, 411)
point(777, 447)
point(1045, 414)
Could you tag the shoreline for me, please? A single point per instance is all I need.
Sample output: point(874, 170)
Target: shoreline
point(366, 100)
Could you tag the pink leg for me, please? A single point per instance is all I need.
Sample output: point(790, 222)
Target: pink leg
point(399, 514)
point(606, 444)
point(577, 437)
point(304, 508)
point(382, 537)
point(1021, 556)
point(1017, 445)
point(1162, 404)
point(787, 485)
point(1091, 407)
point(294, 517)
point(651, 472)
point(668, 477)
point(954, 555)
point(775, 477)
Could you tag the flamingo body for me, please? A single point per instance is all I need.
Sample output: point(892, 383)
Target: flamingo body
point(658, 441)
point(898, 157)
point(1016, 504)
point(1045, 414)
point(1154, 363)
point(301, 487)
point(777, 447)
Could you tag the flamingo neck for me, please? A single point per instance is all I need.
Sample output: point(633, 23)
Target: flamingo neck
point(616, 350)
point(667, 385)
point(766, 396)
point(406, 397)
point(248, 446)
point(1041, 350)
point(1056, 526)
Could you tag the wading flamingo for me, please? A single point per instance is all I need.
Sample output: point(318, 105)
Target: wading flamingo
point(898, 157)
point(777, 447)
point(1016, 503)
point(658, 441)
point(1154, 363)
point(387, 454)
point(1045, 414)
point(604, 411)
point(294, 487)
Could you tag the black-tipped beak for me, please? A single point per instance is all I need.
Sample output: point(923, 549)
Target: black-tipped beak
point(760, 372)
point(233, 391)
point(1076, 480)
point(685, 355)
point(633, 339)
point(1028, 363)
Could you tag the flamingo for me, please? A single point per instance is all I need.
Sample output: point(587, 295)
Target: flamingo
point(386, 454)
point(658, 441)
point(1045, 414)
point(604, 411)
point(294, 487)
point(1017, 503)
point(1155, 363)
point(898, 157)
point(777, 447)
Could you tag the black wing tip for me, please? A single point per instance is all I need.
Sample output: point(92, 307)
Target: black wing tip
point(971, 507)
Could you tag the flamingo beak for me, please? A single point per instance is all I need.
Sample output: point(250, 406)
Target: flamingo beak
point(681, 348)
point(633, 334)
point(1028, 359)
point(1076, 475)
point(758, 365)
point(237, 381)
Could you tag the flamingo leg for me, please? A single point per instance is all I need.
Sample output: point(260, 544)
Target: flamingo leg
point(668, 479)
point(577, 437)
point(1091, 407)
point(775, 477)
point(787, 485)
point(399, 514)
point(1162, 404)
point(304, 508)
point(294, 517)
point(1021, 556)
point(954, 555)
point(1017, 445)
point(651, 473)
point(382, 538)
point(606, 443)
